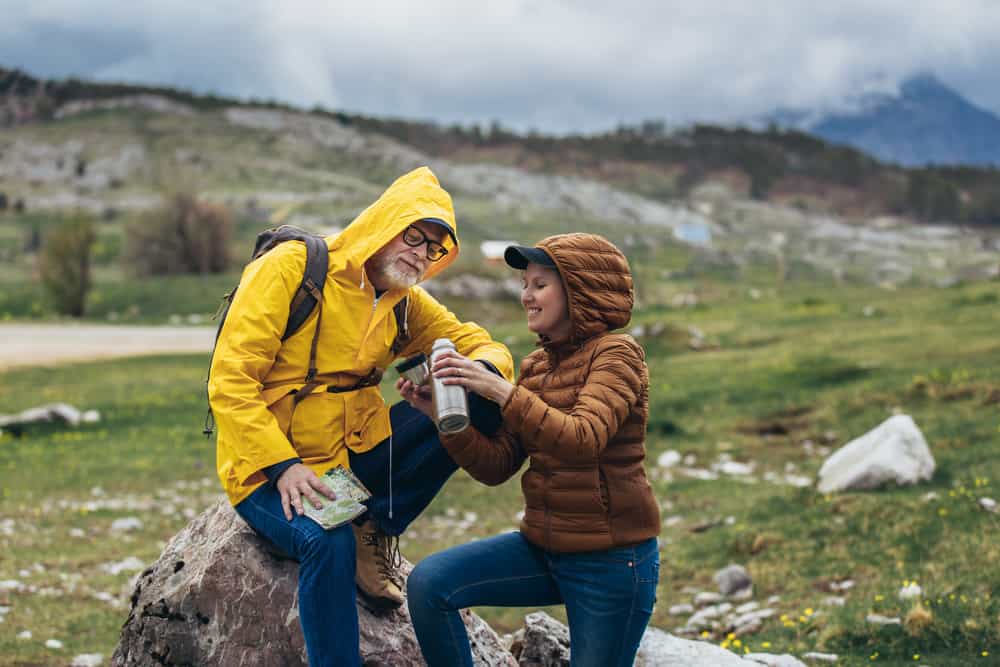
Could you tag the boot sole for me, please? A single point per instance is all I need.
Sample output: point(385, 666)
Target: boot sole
point(377, 605)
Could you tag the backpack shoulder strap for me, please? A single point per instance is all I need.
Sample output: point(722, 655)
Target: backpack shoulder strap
point(310, 292)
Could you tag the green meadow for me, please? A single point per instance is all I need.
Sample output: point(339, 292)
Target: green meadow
point(782, 376)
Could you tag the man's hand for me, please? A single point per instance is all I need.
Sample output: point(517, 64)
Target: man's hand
point(298, 481)
point(417, 396)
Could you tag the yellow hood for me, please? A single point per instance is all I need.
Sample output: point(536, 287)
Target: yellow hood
point(414, 196)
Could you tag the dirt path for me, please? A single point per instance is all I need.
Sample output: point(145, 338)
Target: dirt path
point(49, 344)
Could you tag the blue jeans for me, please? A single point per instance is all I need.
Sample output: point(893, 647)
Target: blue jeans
point(327, 606)
point(609, 595)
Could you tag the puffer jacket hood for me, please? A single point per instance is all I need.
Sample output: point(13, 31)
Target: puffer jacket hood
point(597, 280)
point(416, 195)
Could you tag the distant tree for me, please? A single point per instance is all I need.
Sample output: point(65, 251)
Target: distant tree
point(65, 265)
point(184, 235)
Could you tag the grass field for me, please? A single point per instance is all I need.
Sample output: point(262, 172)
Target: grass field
point(781, 375)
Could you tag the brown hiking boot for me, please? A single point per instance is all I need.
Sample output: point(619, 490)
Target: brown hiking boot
point(378, 560)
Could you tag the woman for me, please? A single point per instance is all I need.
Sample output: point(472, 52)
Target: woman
point(578, 414)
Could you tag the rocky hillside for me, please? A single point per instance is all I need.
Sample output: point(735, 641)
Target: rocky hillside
point(113, 155)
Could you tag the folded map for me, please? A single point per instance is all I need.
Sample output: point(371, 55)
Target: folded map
point(350, 492)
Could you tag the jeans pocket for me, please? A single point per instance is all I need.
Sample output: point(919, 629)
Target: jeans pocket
point(648, 571)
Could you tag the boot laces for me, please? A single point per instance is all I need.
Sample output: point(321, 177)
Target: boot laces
point(386, 549)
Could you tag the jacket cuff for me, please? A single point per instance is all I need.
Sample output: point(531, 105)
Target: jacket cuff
point(274, 472)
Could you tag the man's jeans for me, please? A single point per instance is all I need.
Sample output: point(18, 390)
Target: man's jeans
point(609, 595)
point(420, 467)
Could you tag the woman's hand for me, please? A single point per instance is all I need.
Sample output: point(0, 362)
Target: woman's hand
point(417, 396)
point(298, 482)
point(453, 368)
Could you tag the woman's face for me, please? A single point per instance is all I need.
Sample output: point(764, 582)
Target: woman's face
point(544, 300)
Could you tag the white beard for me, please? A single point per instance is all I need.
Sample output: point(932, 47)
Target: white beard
point(393, 278)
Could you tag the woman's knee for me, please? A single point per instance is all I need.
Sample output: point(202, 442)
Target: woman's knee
point(427, 584)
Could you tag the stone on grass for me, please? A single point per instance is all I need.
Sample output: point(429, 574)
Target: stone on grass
point(126, 525)
point(87, 660)
point(879, 619)
point(53, 644)
point(681, 610)
point(706, 598)
point(988, 504)
point(217, 597)
point(821, 657)
point(732, 579)
point(771, 660)
point(661, 649)
point(895, 451)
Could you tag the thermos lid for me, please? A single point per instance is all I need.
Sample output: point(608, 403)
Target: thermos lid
point(411, 362)
point(441, 343)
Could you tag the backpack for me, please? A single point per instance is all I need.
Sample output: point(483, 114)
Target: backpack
point(307, 297)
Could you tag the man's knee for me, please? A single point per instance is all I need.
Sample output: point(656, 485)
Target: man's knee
point(336, 544)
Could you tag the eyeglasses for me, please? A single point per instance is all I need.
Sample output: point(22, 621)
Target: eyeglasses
point(413, 237)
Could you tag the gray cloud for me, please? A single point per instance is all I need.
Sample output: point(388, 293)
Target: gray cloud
point(554, 66)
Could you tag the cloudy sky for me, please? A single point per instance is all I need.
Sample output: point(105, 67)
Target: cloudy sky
point(550, 65)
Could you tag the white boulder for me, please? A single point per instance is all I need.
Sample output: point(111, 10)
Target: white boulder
point(895, 451)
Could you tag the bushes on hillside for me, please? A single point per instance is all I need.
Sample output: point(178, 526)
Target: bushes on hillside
point(184, 235)
point(65, 265)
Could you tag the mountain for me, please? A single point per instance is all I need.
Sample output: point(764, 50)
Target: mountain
point(922, 123)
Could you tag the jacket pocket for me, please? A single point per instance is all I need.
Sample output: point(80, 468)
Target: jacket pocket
point(314, 428)
point(602, 490)
point(366, 419)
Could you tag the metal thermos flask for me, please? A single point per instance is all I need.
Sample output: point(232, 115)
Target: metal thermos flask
point(451, 405)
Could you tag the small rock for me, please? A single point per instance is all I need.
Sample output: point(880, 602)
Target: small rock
point(706, 598)
point(26, 634)
point(895, 451)
point(772, 660)
point(879, 619)
point(747, 608)
point(53, 644)
point(732, 579)
point(834, 601)
point(988, 504)
point(668, 459)
point(87, 660)
point(681, 610)
point(842, 586)
point(126, 524)
point(821, 657)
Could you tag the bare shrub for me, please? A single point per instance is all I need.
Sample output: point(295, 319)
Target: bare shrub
point(184, 235)
point(65, 265)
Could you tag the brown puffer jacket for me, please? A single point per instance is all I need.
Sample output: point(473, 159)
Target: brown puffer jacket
point(578, 413)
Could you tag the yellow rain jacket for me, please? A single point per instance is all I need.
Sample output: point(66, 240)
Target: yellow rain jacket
point(253, 372)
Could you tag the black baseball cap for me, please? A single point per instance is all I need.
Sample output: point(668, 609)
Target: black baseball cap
point(447, 227)
point(519, 256)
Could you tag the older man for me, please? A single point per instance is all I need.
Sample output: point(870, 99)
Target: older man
point(273, 444)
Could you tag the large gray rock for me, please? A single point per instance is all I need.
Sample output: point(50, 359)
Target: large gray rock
point(661, 649)
point(895, 451)
point(545, 643)
point(216, 598)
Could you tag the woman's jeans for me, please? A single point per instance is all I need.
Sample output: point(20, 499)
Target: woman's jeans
point(420, 467)
point(609, 595)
